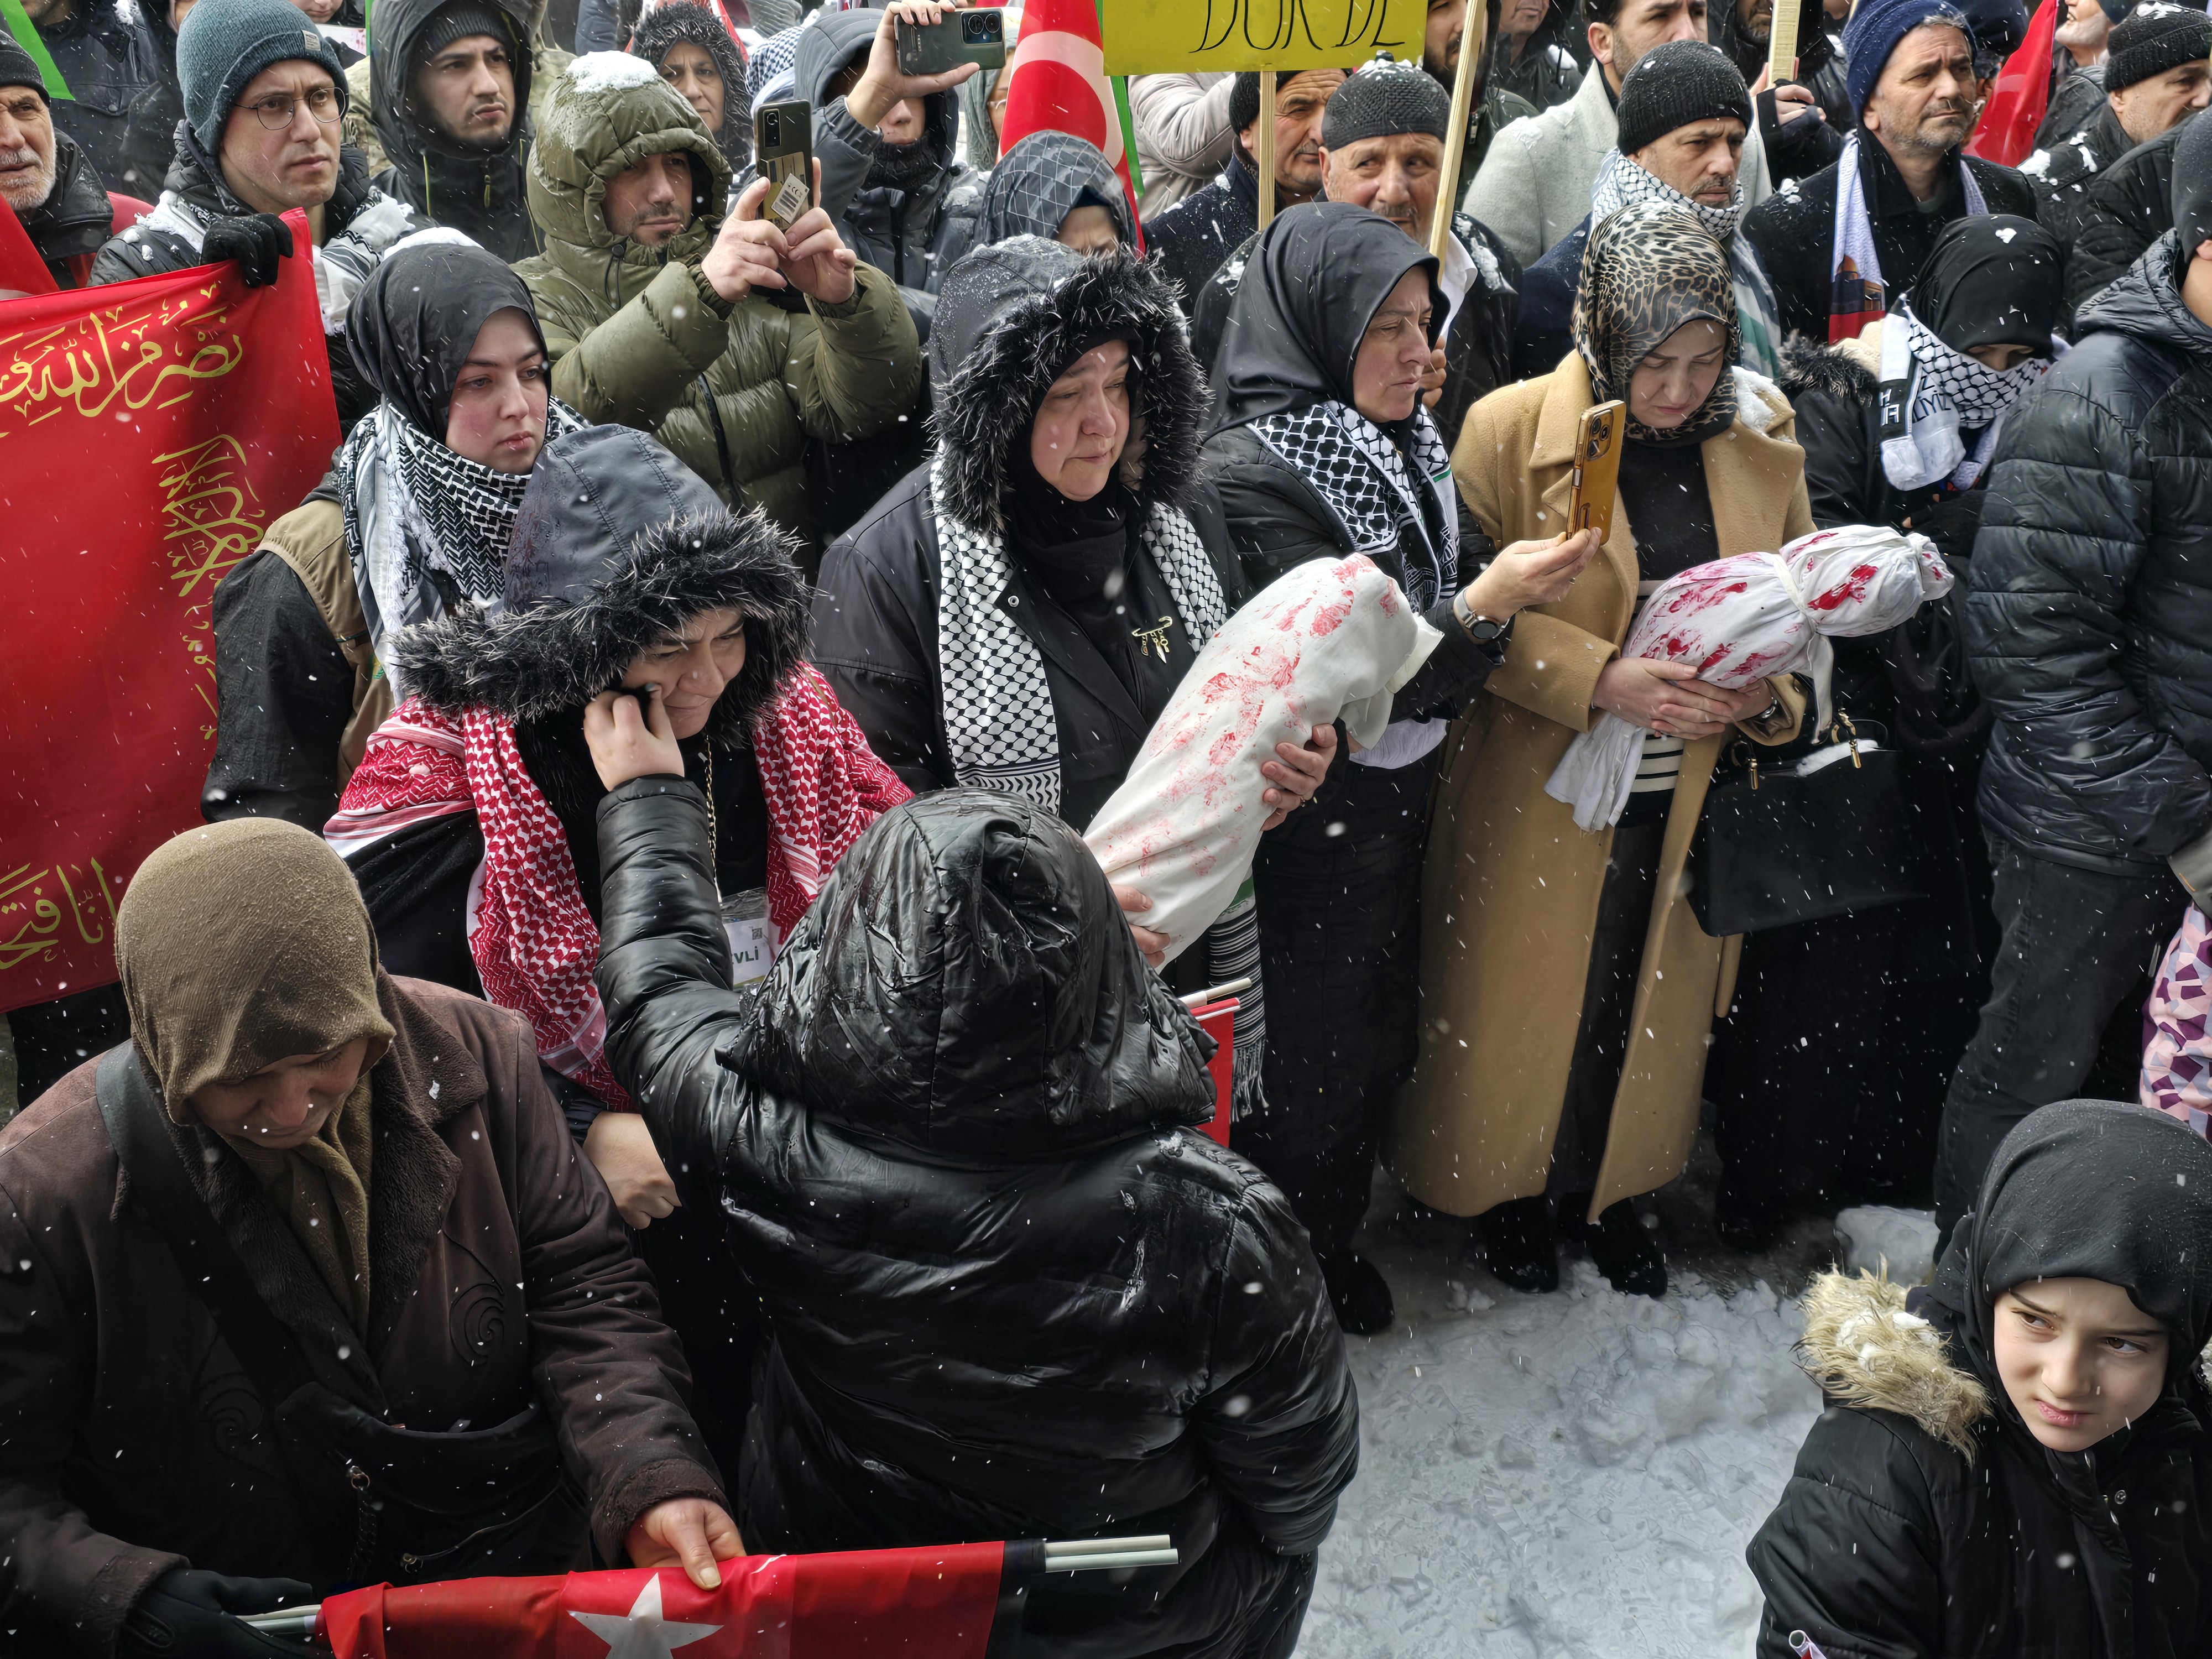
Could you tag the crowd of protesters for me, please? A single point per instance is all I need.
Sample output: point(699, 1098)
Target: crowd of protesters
point(640, 1016)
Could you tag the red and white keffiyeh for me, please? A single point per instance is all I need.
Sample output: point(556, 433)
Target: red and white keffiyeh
point(533, 939)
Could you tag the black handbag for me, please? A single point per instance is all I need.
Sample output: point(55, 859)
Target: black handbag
point(1774, 846)
point(392, 1505)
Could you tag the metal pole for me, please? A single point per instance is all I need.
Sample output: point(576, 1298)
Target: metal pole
point(1267, 148)
point(1470, 50)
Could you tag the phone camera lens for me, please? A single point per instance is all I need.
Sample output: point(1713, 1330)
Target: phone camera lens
point(772, 128)
point(975, 29)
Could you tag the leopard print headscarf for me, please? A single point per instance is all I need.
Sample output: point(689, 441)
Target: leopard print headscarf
point(1649, 269)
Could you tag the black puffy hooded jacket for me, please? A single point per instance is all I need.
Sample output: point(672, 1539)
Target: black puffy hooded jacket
point(1013, 1293)
point(2089, 618)
point(478, 192)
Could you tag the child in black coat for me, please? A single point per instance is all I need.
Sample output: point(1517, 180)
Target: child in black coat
point(2015, 1459)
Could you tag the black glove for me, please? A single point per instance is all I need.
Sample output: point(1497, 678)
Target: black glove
point(188, 1613)
point(257, 242)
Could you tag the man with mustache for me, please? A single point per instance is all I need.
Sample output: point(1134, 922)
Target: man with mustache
point(44, 177)
point(451, 83)
point(1841, 244)
point(1535, 185)
point(1382, 149)
point(1195, 236)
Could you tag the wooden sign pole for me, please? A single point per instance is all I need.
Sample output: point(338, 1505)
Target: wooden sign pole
point(1470, 49)
point(1266, 157)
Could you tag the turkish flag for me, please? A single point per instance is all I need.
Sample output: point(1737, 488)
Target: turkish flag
point(2006, 132)
point(937, 1603)
point(1058, 84)
point(151, 429)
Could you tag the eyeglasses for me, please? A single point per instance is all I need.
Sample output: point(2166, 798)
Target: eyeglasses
point(274, 112)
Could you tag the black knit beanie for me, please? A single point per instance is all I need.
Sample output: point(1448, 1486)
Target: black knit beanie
point(1383, 99)
point(1244, 101)
point(2192, 187)
point(1674, 84)
point(2157, 36)
point(18, 68)
point(457, 21)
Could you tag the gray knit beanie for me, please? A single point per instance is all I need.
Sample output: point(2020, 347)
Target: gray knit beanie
point(2157, 36)
point(1674, 84)
point(224, 44)
point(1383, 98)
point(19, 69)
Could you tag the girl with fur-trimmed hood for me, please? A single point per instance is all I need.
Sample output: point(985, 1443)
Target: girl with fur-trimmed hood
point(1017, 611)
point(2015, 1459)
point(472, 824)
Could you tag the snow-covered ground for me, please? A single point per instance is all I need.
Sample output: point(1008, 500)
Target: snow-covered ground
point(1572, 1476)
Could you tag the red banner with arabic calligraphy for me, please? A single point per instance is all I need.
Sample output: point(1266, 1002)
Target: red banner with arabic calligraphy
point(148, 434)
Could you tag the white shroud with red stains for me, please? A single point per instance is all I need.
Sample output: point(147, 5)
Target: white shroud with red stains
point(1324, 643)
point(1751, 617)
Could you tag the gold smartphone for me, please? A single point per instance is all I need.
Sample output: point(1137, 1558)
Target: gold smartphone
point(1597, 468)
point(783, 146)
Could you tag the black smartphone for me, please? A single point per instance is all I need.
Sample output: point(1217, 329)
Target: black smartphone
point(978, 36)
point(783, 148)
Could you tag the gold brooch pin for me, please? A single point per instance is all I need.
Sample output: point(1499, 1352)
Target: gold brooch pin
point(1154, 638)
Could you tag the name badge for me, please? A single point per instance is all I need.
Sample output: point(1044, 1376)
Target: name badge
point(752, 935)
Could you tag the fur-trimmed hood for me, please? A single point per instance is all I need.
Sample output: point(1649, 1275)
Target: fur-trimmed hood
point(1849, 370)
point(617, 545)
point(1011, 319)
point(1863, 1348)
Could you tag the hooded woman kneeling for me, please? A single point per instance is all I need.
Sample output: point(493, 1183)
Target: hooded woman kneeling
point(2015, 1459)
point(1013, 1293)
point(470, 820)
point(306, 1281)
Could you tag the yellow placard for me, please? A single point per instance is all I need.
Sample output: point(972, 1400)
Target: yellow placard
point(1165, 37)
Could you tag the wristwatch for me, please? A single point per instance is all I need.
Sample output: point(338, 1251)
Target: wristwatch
point(1483, 630)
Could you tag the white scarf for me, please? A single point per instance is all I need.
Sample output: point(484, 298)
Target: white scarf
point(1929, 391)
point(1853, 239)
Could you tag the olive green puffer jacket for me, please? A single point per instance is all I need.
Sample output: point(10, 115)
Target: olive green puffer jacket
point(639, 338)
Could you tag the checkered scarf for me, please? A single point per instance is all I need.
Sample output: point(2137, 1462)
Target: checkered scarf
point(1621, 183)
point(531, 934)
point(427, 528)
point(998, 720)
point(1364, 478)
point(1929, 391)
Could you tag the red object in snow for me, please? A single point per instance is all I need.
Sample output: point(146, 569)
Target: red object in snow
point(1219, 1019)
point(1057, 83)
point(865, 1604)
point(2007, 132)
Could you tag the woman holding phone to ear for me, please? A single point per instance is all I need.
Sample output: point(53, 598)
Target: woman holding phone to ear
point(1534, 1086)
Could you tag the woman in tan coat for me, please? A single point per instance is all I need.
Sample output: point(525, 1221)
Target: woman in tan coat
point(1566, 989)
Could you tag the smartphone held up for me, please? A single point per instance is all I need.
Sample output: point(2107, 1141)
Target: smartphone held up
point(976, 36)
point(783, 146)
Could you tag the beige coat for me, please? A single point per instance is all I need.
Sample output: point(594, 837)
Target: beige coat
point(1510, 888)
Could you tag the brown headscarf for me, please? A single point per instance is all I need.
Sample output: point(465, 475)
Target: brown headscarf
point(241, 944)
point(1649, 269)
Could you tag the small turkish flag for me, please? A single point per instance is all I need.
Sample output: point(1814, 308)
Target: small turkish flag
point(863, 1604)
point(1058, 84)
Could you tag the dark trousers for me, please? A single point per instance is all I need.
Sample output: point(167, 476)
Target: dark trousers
point(1616, 962)
point(1339, 956)
point(2076, 942)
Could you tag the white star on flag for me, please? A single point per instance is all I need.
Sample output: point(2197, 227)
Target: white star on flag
point(643, 1633)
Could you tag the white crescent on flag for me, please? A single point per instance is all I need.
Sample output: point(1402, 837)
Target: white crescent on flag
point(1088, 59)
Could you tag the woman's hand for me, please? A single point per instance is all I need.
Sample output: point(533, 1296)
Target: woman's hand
point(623, 745)
point(1531, 572)
point(1668, 698)
point(1154, 945)
point(690, 1533)
point(1296, 772)
point(621, 1149)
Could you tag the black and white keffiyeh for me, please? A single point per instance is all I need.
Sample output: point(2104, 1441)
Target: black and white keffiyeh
point(427, 528)
point(1366, 482)
point(1621, 183)
point(999, 719)
point(1930, 393)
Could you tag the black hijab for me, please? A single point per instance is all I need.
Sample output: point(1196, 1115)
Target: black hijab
point(2088, 1190)
point(415, 320)
point(1312, 285)
point(1996, 280)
